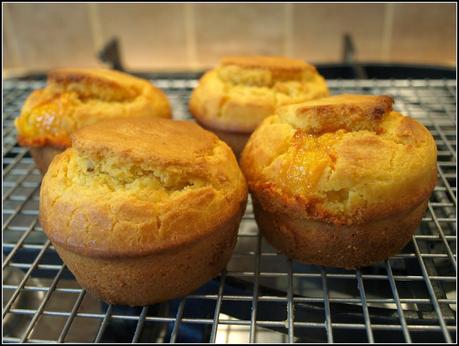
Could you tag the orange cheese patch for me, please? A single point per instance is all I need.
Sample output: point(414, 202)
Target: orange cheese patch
point(306, 160)
point(50, 118)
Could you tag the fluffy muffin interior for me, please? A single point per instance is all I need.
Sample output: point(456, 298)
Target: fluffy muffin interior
point(282, 89)
point(344, 159)
point(108, 173)
point(108, 196)
point(76, 97)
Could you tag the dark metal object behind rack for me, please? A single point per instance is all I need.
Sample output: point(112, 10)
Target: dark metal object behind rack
point(262, 296)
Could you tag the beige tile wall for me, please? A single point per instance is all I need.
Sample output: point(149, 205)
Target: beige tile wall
point(425, 32)
point(51, 34)
point(150, 34)
point(190, 36)
point(318, 30)
point(226, 29)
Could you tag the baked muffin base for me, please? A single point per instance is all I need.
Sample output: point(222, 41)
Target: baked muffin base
point(43, 156)
point(149, 279)
point(315, 242)
point(235, 140)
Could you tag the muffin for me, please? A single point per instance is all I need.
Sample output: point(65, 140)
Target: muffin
point(342, 181)
point(74, 98)
point(232, 99)
point(142, 210)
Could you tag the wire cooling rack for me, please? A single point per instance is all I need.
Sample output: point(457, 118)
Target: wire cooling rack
point(261, 296)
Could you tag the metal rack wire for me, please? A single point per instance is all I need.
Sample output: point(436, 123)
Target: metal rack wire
point(262, 296)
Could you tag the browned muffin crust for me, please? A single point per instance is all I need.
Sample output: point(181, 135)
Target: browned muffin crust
point(329, 170)
point(143, 209)
point(77, 97)
point(243, 90)
point(344, 246)
point(155, 277)
point(342, 112)
point(280, 67)
point(343, 171)
point(162, 171)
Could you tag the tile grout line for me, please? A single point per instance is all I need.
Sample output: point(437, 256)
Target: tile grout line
point(288, 29)
point(387, 31)
point(190, 34)
point(10, 31)
point(96, 27)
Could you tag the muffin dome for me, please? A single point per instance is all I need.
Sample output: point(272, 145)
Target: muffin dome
point(74, 98)
point(340, 168)
point(243, 90)
point(143, 209)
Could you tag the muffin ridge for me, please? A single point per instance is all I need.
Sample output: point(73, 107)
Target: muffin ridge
point(340, 159)
point(241, 91)
point(144, 189)
point(75, 97)
point(95, 84)
point(329, 114)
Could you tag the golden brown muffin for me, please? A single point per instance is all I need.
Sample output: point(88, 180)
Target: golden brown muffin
point(342, 181)
point(235, 97)
point(74, 98)
point(143, 210)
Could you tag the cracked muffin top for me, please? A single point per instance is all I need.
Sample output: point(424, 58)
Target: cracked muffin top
point(243, 90)
point(343, 159)
point(131, 186)
point(74, 98)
